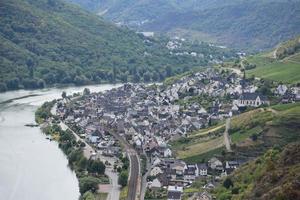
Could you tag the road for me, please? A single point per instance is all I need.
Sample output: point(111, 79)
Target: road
point(134, 180)
point(226, 136)
point(144, 180)
point(88, 151)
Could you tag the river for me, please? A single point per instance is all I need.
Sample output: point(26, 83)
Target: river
point(31, 167)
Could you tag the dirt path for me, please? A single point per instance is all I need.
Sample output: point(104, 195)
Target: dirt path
point(226, 136)
point(207, 132)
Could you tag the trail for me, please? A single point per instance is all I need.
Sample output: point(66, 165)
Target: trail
point(226, 135)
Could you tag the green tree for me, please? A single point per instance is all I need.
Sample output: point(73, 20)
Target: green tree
point(88, 183)
point(88, 196)
point(123, 178)
point(86, 91)
point(228, 183)
point(64, 95)
point(96, 166)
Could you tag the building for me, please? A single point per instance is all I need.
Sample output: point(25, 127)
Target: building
point(252, 100)
point(155, 171)
point(174, 192)
point(202, 168)
point(174, 195)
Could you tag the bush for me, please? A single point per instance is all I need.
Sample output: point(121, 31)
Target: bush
point(228, 183)
point(88, 183)
point(96, 166)
point(123, 178)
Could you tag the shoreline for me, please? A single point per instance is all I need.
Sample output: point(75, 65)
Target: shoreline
point(112, 188)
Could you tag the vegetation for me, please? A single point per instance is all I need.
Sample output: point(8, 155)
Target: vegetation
point(156, 194)
point(285, 71)
point(47, 42)
point(280, 65)
point(244, 24)
point(44, 112)
point(124, 193)
point(288, 48)
point(271, 176)
point(123, 172)
point(251, 133)
point(89, 172)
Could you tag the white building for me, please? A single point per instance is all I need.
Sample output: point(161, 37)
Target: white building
point(252, 100)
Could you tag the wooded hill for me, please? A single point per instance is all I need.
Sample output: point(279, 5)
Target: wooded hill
point(46, 42)
point(246, 24)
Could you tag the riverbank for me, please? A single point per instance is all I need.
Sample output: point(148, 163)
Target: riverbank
point(90, 173)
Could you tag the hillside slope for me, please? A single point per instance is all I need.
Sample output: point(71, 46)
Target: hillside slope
point(254, 24)
point(44, 42)
point(281, 65)
point(275, 175)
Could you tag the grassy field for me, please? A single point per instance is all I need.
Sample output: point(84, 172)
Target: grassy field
point(101, 196)
point(124, 193)
point(286, 71)
point(241, 135)
point(204, 157)
point(206, 143)
point(201, 147)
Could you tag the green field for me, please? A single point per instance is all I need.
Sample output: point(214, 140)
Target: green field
point(286, 71)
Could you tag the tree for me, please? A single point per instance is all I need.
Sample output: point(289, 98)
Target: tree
point(96, 166)
point(123, 178)
point(86, 91)
point(64, 95)
point(3, 87)
point(30, 65)
point(82, 163)
point(88, 183)
point(88, 196)
point(228, 183)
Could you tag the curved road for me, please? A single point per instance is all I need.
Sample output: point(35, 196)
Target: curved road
point(134, 182)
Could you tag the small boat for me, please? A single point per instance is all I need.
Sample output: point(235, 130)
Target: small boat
point(31, 125)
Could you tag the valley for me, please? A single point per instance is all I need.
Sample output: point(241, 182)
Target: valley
point(150, 100)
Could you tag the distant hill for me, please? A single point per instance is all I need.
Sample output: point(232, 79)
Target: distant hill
point(46, 42)
point(246, 24)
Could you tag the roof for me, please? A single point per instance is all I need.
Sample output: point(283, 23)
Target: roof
point(174, 195)
point(202, 166)
point(252, 96)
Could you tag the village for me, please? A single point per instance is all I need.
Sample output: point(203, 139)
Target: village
point(148, 117)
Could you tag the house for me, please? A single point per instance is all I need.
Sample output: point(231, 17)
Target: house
point(281, 90)
point(215, 163)
point(156, 184)
point(167, 152)
point(155, 171)
point(230, 166)
point(252, 100)
point(190, 173)
point(178, 167)
point(202, 169)
point(174, 195)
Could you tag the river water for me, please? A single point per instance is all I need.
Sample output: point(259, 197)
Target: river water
point(31, 167)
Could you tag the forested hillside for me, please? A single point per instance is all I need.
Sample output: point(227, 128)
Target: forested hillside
point(45, 42)
point(275, 175)
point(246, 24)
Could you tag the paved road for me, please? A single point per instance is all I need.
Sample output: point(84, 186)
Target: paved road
point(114, 191)
point(226, 135)
point(144, 180)
point(88, 151)
point(134, 182)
